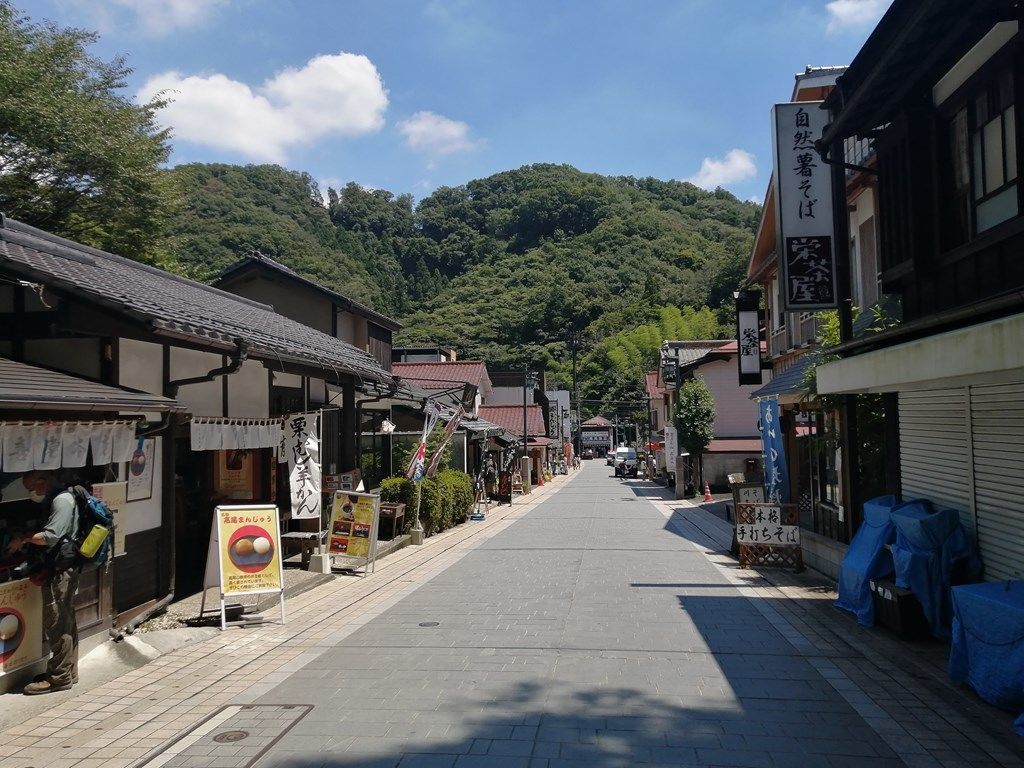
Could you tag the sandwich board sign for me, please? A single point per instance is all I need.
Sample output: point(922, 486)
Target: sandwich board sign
point(244, 556)
point(352, 531)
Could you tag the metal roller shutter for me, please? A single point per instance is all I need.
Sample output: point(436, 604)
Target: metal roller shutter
point(935, 455)
point(997, 429)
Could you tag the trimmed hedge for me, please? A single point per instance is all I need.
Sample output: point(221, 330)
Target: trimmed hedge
point(447, 499)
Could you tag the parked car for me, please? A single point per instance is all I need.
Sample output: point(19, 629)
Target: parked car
point(588, 453)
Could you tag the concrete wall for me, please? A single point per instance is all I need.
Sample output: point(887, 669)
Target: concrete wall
point(822, 554)
point(718, 466)
point(249, 391)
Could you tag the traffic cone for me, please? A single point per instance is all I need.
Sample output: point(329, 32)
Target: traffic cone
point(707, 493)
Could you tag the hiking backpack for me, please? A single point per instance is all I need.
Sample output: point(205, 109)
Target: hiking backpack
point(95, 528)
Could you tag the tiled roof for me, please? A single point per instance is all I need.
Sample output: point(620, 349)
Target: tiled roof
point(654, 390)
point(693, 353)
point(25, 386)
point(258, 260)
point(445, 375)
point(597, 421)
point(175, 306)
point(690, 351)
point(510, 417)
point(789, 382)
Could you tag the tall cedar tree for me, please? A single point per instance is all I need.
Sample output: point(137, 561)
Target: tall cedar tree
point(77, 157)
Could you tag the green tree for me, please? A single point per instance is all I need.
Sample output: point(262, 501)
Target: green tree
point(77, 156)
point(695, 416)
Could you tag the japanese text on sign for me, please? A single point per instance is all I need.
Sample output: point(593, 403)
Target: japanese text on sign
point(302, 447)
point(803, 194)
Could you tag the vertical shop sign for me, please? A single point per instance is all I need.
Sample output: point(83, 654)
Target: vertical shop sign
point(776, 475)
point(302, 447)
point(803, 208)
point(748, 336)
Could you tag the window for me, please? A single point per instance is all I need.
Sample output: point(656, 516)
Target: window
point(980, 168)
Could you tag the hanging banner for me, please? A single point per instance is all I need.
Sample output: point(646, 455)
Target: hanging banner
point(302, 447)
point(803, 208)
point(418, 462)
point(353, 528)
point(776, 475)
point(449, 430)
point(21, 623)
point(248, 543)
point(748, 336)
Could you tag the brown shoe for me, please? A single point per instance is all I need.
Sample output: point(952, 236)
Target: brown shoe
point(46, 685)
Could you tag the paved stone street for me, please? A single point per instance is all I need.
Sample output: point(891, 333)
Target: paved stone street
point(595, 625)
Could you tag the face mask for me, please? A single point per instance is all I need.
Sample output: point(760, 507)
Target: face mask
point(38, 498)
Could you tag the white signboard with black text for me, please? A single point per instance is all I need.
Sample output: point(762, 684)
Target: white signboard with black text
point(803, 208)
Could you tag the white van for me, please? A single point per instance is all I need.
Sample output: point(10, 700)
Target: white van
point(625, 461)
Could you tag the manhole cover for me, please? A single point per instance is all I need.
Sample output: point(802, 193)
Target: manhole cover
point(230, 737)
point(430, 623)
point(235, 736)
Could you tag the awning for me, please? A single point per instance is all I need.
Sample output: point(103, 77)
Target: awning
point(539, 442)
point(788, 386)
point(986, 353)
point(28, 387)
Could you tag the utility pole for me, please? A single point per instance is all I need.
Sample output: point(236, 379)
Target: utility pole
point(575, 339)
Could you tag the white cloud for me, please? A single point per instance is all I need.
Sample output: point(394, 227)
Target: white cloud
point(737, 165)
point(854, 14)
point(338, 95)
point(153, 18)
point(436, 135)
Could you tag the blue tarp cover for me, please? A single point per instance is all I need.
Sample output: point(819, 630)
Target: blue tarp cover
point(928, 545)
point(867, 559)
point(987, 649)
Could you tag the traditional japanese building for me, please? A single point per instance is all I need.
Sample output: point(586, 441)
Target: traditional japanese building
point(185, 352)
point(935, 87)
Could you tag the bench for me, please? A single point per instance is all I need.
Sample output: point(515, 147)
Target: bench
point(305, 542)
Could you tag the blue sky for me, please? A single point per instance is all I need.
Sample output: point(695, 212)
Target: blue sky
point(410, 95)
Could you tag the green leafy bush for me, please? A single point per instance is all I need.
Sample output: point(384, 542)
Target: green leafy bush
point(460, 486)
point(431, 509)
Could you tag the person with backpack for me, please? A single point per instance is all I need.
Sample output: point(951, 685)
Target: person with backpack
point(59, 590)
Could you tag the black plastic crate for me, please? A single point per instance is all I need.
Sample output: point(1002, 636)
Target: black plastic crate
point(899, 610)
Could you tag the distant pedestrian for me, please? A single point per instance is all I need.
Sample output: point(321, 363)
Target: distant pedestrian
point(490, 476)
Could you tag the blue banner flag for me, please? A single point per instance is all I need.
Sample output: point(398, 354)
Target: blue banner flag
point(776, 477)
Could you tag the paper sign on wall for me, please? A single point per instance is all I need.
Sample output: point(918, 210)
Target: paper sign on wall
point(115, 496)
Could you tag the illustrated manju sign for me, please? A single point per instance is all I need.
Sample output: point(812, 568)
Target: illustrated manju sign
point(249, 549)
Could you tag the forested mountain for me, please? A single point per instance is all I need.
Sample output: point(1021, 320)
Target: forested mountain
point(500, 268)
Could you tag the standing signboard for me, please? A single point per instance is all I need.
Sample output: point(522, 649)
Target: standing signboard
point(803, 208)
point(352, 531)
point(245, 544)
point(21, 622)
point(769, 534)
